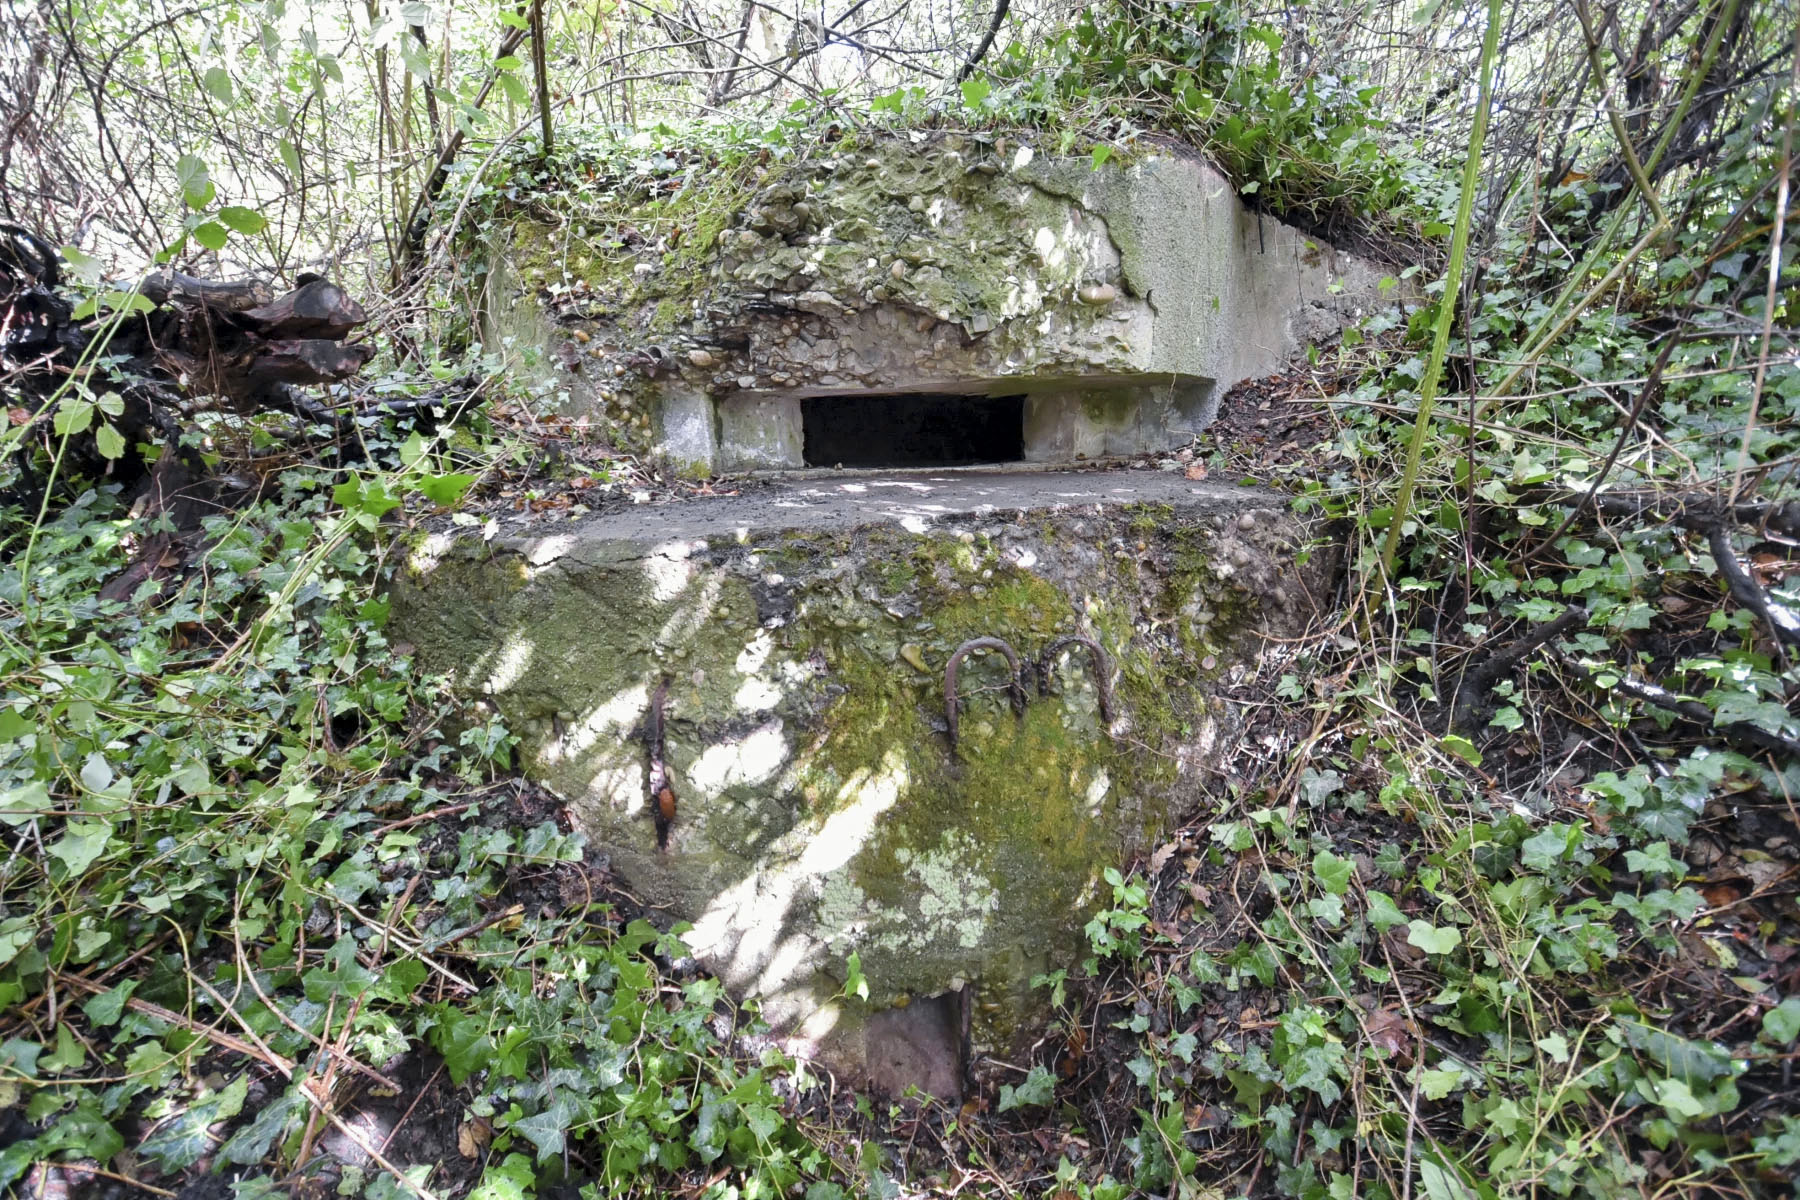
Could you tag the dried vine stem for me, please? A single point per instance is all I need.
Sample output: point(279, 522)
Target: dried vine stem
point(1782, 621)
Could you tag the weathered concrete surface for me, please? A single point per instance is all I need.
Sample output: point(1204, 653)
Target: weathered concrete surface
point(1122, 301)
point(803, 633)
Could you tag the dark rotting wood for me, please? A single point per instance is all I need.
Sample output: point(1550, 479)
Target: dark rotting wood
point(1098, 659)
point(166, 285)
point(1016, 687)
point(315, 309)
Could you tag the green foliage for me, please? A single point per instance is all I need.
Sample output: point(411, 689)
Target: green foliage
point(1118, 931)
point(1037, 1091)
point(1304, 146)
point(245, 789)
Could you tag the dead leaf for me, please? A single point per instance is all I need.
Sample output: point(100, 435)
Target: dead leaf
point(1721, 895)
point(1764, 872)
point(1161, 858)
point(1196, 470)
point(473, 1136)
point(1392, 1032)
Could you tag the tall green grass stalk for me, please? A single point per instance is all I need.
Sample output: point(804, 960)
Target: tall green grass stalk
point(1459, 245)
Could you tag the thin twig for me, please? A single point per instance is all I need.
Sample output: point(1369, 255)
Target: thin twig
point(85, 1169)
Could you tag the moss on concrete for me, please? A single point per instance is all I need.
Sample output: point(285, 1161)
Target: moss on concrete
point(797, 708)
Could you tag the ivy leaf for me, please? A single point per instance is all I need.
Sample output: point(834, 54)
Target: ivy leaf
point(463, 1041)
point(513, 87)
point(69, 1054)
point(1675, 1055)
point(81, 843)
point(1440, 1182)
point(1333, 872)
point(96, 773)
point(855, 984)
point(1440, 1083)
point(211, 234)
point(1433, 939)
point(1654, 859)
point(546, 1129)
point(195, 182)
point(109, 441)
point(21, 804)
point(1384, 914)
point(84, 1131)
point(402, 978)
point(1318, 786)
point(252, 1141)
point(218, 85)
point(1462, 747)
point(107, 1007)
point(341, 976)
point(763, 1121)
point(369, 497)
point(975, 92)
point(73, 416)
point(445, 490)
point(1676, 1097)
point(351, 880)
point(20, 1057)
point(513, 1179)
point(1544, 849)
point(183, 1141)
point(1037, 1091)
point(1781, 1024)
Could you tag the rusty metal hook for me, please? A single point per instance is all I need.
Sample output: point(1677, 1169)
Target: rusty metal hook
point(1016, 687)
point(1098, 660)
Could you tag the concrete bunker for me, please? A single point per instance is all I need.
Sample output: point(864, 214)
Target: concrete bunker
point(934, 301)
point(805, 634)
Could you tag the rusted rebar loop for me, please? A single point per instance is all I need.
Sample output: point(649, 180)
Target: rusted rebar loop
point(1016, 687)
point(1098, 660)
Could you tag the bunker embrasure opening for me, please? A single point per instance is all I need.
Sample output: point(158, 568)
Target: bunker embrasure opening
point(912, 430)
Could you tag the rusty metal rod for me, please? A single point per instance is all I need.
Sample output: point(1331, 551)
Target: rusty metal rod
point(1016, 687)
point(1100, 662)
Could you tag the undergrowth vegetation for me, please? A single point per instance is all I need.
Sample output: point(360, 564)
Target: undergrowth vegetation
point(250, 856)
point(1496, 899)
